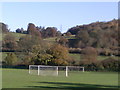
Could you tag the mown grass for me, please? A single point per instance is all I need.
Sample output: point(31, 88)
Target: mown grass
point(19, 78)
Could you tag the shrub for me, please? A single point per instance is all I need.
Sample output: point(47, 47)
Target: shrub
point(111, 64)
point(11, 59)
point(89, 55)
point(94, 66)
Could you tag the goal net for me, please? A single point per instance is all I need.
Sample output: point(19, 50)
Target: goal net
point(43, 70)
point(54, 70)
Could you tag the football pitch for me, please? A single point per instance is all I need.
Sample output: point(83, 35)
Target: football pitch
point(20, 78)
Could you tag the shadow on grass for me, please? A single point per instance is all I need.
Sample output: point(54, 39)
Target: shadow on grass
point(72, 86)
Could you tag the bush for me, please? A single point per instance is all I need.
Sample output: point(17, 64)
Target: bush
point(111, 64)
point(94, 66)
point(11, 59)
point(89, 55)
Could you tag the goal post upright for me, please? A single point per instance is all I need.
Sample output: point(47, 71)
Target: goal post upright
point(38, 69)
point(83, 69)
point(57, 70)
point(66, 73)
point(29, 69)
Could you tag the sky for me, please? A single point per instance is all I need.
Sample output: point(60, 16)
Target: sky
point(62, 15)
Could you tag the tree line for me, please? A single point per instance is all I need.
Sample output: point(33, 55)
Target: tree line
point(99, 38)
point(100, 35)
point(42, 31)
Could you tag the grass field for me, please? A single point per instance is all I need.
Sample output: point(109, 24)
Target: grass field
point(77, 57)
point(19, 78)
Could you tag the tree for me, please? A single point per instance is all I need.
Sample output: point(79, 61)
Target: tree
point(83, 38)
point(63, 41)
point(38, 55)
point(52, 31)
point(74, 30)
point(33, 30)
point(26, 42)
point(89, 55)
point(9, 42)
point(4, 28)
point(49, 32)
point(11, 59)
point(54, 54)
point(19, 30)
point(60, 55)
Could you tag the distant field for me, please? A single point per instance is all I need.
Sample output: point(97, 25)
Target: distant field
point(78, 57)
point(74, 56)
point(19, 78)
point(52, 39)
point(16, 35)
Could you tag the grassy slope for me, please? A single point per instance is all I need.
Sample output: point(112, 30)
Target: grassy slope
point(16, 35)
point(52, 39)
point(75, 56)
point(13, 78)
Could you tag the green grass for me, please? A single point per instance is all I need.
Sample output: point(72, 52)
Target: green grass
point(78, 56)
point(19, 78)
point(16, 35)
point(52, 39)
point(70, 37)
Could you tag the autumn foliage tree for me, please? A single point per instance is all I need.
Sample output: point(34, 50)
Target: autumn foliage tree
point(49, 32)
point(32, 30)
point(60, 55)
point(53, 54)
point(89, 55)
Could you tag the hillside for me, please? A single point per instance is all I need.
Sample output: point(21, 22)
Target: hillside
point(100, 35)
point(96, 26)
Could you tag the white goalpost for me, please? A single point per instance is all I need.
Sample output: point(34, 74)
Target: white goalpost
point(54, 70)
